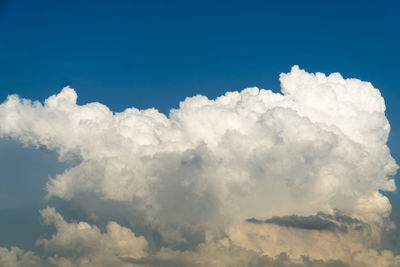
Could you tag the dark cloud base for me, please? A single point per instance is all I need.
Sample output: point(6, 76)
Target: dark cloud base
point(321, 222)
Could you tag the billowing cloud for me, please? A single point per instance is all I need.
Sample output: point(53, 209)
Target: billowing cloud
point(195, 176)
point(81, 244)
point(16, 257)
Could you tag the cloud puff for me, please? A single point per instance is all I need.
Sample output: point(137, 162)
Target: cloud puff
point(81, 244)
point(196, 174)
point(16, 257)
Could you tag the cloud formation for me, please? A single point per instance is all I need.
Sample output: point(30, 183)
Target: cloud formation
point(195, 176)
point(321, 221)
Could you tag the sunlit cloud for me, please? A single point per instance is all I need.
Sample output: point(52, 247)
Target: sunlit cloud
point(250, 178)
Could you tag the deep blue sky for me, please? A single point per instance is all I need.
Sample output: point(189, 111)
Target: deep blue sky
point(155, 53)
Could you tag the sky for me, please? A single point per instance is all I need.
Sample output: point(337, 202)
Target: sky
point(156, 54)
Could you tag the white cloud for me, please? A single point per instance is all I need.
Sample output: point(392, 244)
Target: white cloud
point(81, 244)
point(246, 244)
point(211, 164)
point(16, 257)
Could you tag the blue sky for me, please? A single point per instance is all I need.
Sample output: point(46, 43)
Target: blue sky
point(156, 53)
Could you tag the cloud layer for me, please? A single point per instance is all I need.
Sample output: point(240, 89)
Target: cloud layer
point(196, 176)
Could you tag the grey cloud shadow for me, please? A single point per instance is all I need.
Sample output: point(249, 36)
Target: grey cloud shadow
point(320, 222)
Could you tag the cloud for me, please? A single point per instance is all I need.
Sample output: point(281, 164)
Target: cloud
point(196, 175)
point(16, 257)
point(305, 222)
point(81, 244)
point(322, 221)
point(354, 246)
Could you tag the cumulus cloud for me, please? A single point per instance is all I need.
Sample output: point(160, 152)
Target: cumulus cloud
point(297, 237)
point(196, 175)
point(16, 257)
point(81, 244)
